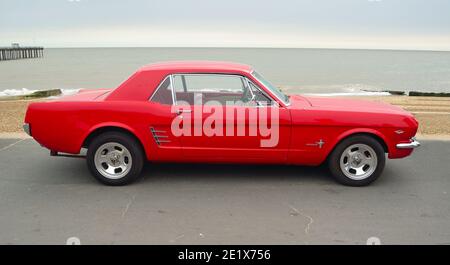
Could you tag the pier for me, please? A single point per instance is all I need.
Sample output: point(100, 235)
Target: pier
point(16, 52)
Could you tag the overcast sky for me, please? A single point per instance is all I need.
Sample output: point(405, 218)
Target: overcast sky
point(380, 24)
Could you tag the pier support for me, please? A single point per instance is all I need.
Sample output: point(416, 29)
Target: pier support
point(14, 53)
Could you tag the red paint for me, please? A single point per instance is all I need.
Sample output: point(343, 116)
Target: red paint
point(63, 124)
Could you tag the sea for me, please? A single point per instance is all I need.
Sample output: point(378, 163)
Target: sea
point(296, 71)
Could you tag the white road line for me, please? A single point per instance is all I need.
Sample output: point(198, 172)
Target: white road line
point(6, 147)
point(311, 220)
point(128, 205)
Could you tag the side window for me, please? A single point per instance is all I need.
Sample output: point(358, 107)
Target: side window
point(163, 93)
point(179, 83)
point(210, 87)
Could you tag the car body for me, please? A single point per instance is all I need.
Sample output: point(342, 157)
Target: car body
point(310, 128)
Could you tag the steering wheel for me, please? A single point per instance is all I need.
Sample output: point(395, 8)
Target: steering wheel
point(247, 96)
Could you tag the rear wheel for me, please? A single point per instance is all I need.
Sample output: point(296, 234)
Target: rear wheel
point(357, 161)
point(115, 158)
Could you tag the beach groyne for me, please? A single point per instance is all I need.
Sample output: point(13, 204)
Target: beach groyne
point(15, 53)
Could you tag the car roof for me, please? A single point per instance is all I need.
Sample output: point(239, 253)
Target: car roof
point(197, 66)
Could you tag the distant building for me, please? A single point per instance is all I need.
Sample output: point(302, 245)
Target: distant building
point(15, 45)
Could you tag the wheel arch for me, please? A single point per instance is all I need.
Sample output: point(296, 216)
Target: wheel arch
point(379, 137)
point(111, 127)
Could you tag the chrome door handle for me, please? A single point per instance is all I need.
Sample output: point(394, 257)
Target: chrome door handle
point(179, 111)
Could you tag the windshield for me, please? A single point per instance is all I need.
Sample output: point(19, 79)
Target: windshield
point(275, 90)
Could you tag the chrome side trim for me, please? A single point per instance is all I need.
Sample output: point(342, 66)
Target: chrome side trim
point(174, 96)
point(27, 128)
point(320, 143)
point(413, 144)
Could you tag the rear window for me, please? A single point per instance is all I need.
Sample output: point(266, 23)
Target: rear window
point(163, 94)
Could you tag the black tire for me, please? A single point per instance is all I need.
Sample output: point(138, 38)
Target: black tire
point(335, 157)
point(130, 143)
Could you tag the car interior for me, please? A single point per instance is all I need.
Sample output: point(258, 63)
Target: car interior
point(197, 89)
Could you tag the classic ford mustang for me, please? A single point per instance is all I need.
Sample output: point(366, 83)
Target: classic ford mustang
point(218, 112)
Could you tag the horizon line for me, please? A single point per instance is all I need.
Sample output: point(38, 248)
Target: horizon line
point(240, 47)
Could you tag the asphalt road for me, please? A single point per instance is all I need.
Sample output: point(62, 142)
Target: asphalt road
point(46, 200)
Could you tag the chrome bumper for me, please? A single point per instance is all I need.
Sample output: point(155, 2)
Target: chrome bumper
point(413, 144)
point(27, 128)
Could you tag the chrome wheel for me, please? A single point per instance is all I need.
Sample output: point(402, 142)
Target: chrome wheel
point(358, 161)
point(113, 160)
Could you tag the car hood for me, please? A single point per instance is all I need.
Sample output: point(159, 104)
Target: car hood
point(327, 103)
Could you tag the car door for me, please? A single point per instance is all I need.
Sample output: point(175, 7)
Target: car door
point(226, 122)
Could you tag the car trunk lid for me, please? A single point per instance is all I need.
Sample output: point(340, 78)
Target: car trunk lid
point(86, 95)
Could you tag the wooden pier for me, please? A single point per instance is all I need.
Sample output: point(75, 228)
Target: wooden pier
point(16, 52)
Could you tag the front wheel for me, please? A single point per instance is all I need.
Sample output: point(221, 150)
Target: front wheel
point(357, 161)
point(115, 158)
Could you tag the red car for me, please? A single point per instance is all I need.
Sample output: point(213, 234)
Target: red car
point(218, 112)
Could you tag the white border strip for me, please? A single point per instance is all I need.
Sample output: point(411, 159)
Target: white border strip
point(11, 145)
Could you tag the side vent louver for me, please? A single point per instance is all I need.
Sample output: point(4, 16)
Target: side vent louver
point(159, 136)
